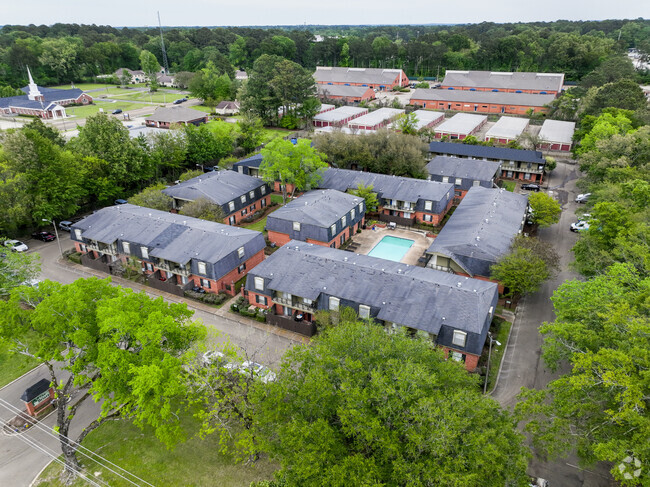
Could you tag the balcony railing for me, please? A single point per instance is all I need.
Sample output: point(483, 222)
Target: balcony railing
point(294, 303)
point(173, 268)
point(399, 207)
point(103, 248)
point(532, 170)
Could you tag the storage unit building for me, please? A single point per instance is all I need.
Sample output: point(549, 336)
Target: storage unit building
point(481, 101)
point(375, 120)
point(338, 117)
point(538, 83)
point(374, 78)
point(425, 119)
point(507, 129)
point(345, 94)
point(557, 135)
point(460, 126)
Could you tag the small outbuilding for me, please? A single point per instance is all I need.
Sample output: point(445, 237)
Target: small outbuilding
point(338, 117)
point(165, 117)
point(460, 126)
point(557, 135)
point(507, 129)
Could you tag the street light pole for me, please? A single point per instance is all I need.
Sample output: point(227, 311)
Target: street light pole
point(487, 372)
point(56, 233)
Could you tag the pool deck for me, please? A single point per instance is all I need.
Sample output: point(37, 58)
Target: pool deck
point(367, 239)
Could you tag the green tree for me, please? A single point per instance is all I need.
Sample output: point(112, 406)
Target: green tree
point(211, 85)
point(204, 209)
point(151, 67)
point(17, 268)
point(361, 407)
point(298, 165)
point(152, 197)
point(545, 211)
point(408, 124)
point(369, 196)
point(237, 53)
point(250, 132)
point(192, 173)
point(599, 408)
point(118, 347)
point(61, 56)
point(205, 145)
point(168, 152)
point(522, 270)
point(7, 91)
point(625, 94)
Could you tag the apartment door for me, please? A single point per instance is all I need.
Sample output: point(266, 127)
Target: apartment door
point(232, 220)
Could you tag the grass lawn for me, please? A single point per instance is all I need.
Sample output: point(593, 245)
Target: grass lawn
point(497, 353)
point(86, 111)
point(158, 97)
point(13, 365)
point(258, 225)
point(277, 198)
point(509, 185)
point(203, 108)
point(194, 463)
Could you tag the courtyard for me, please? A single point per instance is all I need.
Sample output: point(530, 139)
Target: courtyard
point(369, 238)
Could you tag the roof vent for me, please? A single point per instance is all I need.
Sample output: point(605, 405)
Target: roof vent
point(149, 214)
point(486, 220)
point(383, 302)
point(399, 271)
point(478, 238)
point(324, 288)
point(458, 285)
point(345, 259)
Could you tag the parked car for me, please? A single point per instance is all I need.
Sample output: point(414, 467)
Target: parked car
point(258, 371)
point(120, 202)
point(179, 101)
point(44, 236)
point(580, 226)
point(583, 198)
point(531, 187)
point(16, 245)
point(116, 111)
point(65, 225)
point(212, 356)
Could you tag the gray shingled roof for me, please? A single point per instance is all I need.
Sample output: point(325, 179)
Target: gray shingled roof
point(374, 76)
point(322, 207)
point(387, 187)
point(220, 187)
point(487, 152)
point(502, 80)
point(483, 97)
point(458, 167)
point(170, 236)
point(175, 115)
point(50, 96)
point(411, 296)
point(481, 229)
point(342, 90)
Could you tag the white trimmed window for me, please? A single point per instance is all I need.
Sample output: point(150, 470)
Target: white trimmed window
point(263, 190)
point(360, 207)
point(333, 228)
point(145, 252)
point(205, 283)
point(459, 339)
point(240, 252)
point(201, 267)
point(364, 311)
point(352, 214)
point(428, 205)
point(243, 198)
point(334, 303)
point(261, 299)
point(231, 206)
point(445, 179)
point(476, 183)
point(77, 233)
point(427, 218)
point(126, 247)
point(296, 226)
point(251, 194)
point(259, 283)
point(344, 220)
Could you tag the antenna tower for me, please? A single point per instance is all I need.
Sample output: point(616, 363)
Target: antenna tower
point(162, 44)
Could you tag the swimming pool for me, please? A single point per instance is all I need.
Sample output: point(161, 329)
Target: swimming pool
point(391, 248)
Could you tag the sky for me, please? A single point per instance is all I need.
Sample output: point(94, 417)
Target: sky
point(295, 12)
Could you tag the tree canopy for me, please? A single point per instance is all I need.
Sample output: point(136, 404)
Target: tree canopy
point(152, 197)
point(204, 209)
point(545, 211)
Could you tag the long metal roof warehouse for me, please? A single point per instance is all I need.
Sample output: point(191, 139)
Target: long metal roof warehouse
point(341, 115)
point(480, 101)
point(460, 126)
point(507, 129)
point(505, 81)
point(377, 119)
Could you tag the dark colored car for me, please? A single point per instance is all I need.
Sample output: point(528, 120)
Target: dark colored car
point(531, 187)
point(116, 111)
point(121, 202)
point(44, 236)
point(179, 101)
point(199, 290)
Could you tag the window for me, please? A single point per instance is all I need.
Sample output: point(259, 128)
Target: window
point(259, 283)
point(231, 206)
point(263, 190)
point(427, 218)
point(333, 228)
point(445, 179)
point(240, 252)
point(307, 301)
point(83, 248)
point(296, 226)
point(457, 356)
point(428, 205)
point(344, 220)
point(251, 194)
point(77, 233)
point(334, 304)
point(201, 268)
point(145, 252)
point(352, 214)
point(241, 268)
point(476, 183)
point(360, 207)
point(244, 211)
point(205, 283)
point(261, 299)
point(364, 311)
point(459, 339)
point(253, 207)
point(262, 203)
point(243, 198)
point(126, 247)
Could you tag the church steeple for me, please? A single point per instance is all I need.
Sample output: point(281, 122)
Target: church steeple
point(34, 93)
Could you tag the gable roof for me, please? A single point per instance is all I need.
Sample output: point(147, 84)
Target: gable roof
point(504, 80)
point(557, 131)
point(486, 97)
point(483, 151)
point(322, 208)
point(412, 296)
point(458, 167)
point(51, 96)
point(227, 105)
point(461, 123)
point(342, 90)
point(175, 114)
point(508, 127)
point(481, 229)
point(169, 236)
point(387, 187)
point(221, 187)
point(375, 76)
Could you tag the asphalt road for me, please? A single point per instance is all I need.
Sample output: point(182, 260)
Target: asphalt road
point(522, 363)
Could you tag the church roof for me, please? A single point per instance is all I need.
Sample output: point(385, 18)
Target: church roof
point(51, 96)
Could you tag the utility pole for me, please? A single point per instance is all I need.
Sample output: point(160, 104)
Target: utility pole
point(162, 44)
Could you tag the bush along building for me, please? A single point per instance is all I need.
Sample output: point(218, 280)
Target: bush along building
point(463, 173)
point(322, 217)
point(478, 233)
point(401, 200)
point(175, 252)
point(300, 278)
point(523, 165)
point(237, 194)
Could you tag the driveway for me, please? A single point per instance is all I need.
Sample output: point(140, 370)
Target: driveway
point(522, 364)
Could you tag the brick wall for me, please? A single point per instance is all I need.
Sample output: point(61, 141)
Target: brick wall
point(249, 210)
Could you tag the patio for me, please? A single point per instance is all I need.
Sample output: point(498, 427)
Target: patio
point(367, 240)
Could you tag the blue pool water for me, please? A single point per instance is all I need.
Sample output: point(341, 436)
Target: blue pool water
point(391, 248)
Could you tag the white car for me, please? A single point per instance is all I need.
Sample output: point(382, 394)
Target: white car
point(580, 226)
point(16, 245)
point(211, 356)
point(582, 198)
point(258, 370)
